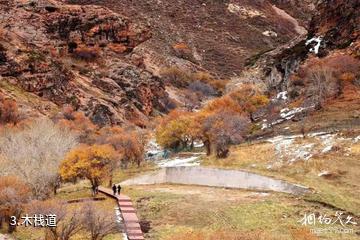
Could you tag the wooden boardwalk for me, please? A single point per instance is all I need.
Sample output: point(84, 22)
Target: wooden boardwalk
point(131, 222)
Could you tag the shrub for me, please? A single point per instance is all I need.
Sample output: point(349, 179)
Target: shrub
point(176, 77)
point(202, 88)
point(117, 48)
point(97, 222)
point(9, 113)
point(322, 83)
point(78, 123)
point(225, 103)
point(68, 221)
point(14, 193)
point(86, 53)
point(182, 50)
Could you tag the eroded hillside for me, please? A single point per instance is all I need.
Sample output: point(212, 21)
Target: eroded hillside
point(76, 55)
point(217, 36)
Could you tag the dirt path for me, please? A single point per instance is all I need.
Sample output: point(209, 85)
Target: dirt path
point(299, 29)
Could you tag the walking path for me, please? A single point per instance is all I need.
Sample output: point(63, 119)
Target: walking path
point(131, 221)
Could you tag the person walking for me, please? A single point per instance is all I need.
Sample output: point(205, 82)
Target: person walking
point(93, 188)
point(118, 189)
point(114, 189)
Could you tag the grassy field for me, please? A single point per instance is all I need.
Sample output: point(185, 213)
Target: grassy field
point(192, 212)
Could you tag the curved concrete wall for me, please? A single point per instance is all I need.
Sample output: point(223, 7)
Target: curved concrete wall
point(216, 178)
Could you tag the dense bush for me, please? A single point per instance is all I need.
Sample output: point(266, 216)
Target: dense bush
point(9, 113)
point(202, 88)
point(34, 152)
point(326, 77)
point(86, 53)
point(198, 81)
point(14, 193)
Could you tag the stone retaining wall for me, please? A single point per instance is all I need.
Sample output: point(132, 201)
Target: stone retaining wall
point(216, 178)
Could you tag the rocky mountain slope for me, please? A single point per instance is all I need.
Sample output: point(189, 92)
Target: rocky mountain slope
point(216, 36)
point(105, 58)
point(334, 29)
point(66, 54)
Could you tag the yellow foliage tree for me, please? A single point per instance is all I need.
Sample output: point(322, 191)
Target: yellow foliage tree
point(94, 163)
point(174, 130)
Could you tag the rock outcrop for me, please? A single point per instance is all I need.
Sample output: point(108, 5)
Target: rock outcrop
point(334, 27)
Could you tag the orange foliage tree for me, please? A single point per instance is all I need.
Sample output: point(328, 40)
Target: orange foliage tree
point(220, 124)
point(95, 163)
point(128, 144)
point(249, 99)
point(14, 193)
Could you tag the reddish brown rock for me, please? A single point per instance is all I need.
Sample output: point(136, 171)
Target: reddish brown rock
point(77, 55)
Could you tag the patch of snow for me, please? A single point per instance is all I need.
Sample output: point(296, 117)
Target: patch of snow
point(124, 236)
point(323, 173)
point(153, 149)
point(289, 114)
point(282, 95)
point(243, 11)
point(198, 144)
point(357, 139)
point(317, 134)
point(316, 48)
point(303, 152)
point(179, 162)
point(261, 194)
point(327, 149)
point(270, 33)
point(285, 113)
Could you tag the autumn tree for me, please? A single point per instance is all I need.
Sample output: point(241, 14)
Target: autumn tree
point(97, 222)
point(68, 221)
point(322, 84)
point(224, 128)
point(34, 152)
point(129, 143)
point(174, 130)
point(14, 193)
point(249, 99)
point(326, 77)
point(94, 163)
point(224, 103)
